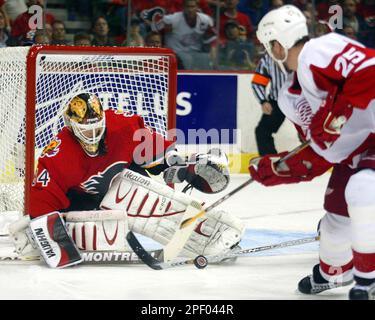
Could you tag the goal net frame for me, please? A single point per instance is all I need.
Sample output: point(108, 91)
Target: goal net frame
point(31, 92)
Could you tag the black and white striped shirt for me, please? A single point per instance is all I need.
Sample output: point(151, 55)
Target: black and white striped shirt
point(267, 71)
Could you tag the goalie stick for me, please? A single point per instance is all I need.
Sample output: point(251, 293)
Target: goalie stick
point(153, 257)
point(174, 246)
point(94, 257)
point(202, 261)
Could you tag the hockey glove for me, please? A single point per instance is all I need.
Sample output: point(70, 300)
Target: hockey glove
point(303, 166)
point(207, 173)
point(326, 124)
point(265, 170)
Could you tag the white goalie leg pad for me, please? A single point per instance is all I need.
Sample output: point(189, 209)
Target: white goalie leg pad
point(98, 230)
point(217, 233)
point(57, 248)
point(24, 244)
point(156, 210)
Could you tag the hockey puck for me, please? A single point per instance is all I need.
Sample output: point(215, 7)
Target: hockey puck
point(200, 262)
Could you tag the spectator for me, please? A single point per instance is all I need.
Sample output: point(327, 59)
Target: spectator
point(276, 4)
point(203, 5)
point(350, 32)
point(351, 18)
point(100, 30)
point(59, 33)
point(243, 33)
point(136, 39)
point(322, 27)
point(366, 9)
point(214, 3)
point(268, 72)
point(154, 39)
point(323, 9)
point(41, 37)
point(78, 9)
point(82, 39)
point(48, 30)
point(231, 13)
point(301, 4)
point(4, 29)
point(309, 22)
point(115, 12)
point(191, 35)
point(14, 8)
point(151, 13)
point(236, 52)
point(254, 9)
point(21, 31)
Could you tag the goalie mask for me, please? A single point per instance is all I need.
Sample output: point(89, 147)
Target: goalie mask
point(84, 115)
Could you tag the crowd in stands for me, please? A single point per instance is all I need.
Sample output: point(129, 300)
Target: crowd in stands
point(205, 34)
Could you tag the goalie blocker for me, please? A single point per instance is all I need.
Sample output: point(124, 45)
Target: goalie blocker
point(49, 234)
point(133, 202)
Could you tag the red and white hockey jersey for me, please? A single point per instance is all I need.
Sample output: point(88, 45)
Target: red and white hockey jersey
point(325, 63)
point(68, 179)
point(183, 37)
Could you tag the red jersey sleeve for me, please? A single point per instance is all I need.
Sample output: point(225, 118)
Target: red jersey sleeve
point(151, 146)
point(55, 174)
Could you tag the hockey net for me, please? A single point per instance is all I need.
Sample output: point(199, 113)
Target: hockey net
point(37, 82)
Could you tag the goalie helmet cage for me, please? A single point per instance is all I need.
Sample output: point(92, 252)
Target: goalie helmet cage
point(37, 82)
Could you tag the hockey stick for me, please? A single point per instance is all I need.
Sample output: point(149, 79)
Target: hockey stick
point(175, 245)
point(187, 222)
point(201, 261)
point(132, 258)
point(244, 252)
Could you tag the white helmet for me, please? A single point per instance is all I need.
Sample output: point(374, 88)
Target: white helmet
point(84, 115)
point(286, 24)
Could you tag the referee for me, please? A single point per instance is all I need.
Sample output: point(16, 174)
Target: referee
point(268, 71)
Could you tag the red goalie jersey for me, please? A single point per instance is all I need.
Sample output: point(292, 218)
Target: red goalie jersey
point(67, 178)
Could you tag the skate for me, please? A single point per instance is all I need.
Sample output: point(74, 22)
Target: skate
point(360, 292)
point(315, 283)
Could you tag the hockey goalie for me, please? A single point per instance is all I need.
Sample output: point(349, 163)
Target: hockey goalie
point(92, 186)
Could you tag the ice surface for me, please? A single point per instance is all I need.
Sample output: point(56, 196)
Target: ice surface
point(272, 215)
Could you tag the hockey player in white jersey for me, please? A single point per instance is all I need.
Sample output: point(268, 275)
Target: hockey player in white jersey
point(331, 100)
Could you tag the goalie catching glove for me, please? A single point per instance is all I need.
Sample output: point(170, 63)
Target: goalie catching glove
point(207, 173)
point(303, 166)
point(45, 236)
point(156, 211)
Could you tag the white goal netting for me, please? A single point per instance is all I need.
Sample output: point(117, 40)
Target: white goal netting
point(125, 80)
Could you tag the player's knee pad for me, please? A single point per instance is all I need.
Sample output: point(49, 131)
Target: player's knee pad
point(335, 242)
point(359, 194)
point(360, 189)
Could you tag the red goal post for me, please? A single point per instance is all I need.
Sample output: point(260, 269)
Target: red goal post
point(36, 83)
